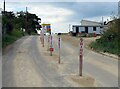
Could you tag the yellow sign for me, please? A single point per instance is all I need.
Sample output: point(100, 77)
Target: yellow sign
point(45, 24)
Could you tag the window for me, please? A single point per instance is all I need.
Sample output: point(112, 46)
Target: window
point(94, 28)
point(86, 29)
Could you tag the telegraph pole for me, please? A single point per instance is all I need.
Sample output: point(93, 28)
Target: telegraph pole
point(4, 6)
point(26, 20)
point(4, 28)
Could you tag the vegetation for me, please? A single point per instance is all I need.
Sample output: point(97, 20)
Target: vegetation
point(10, 38)
point(17, 25)
point(110, 40)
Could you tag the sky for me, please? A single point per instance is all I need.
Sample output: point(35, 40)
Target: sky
point(61, 14)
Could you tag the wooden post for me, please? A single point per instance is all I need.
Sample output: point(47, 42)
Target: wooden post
point(81, 57)
point(48, 42)
point(51, 46)
point(59, 49)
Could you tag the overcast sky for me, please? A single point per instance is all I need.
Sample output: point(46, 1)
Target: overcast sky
point(61, 14)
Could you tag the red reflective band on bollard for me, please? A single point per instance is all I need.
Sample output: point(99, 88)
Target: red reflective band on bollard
point(52, 49)
point(81, 43)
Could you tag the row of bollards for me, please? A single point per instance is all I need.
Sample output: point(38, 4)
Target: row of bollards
point(51, 49)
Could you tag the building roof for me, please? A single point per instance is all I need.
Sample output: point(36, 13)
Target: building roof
point(91, 21)
point(87, 26)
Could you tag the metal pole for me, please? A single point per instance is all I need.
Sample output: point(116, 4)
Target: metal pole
point(4, 6)
point(26, 20)
point(59, 49)
point(4, 26)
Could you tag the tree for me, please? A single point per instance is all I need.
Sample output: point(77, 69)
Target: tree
point(7, 22)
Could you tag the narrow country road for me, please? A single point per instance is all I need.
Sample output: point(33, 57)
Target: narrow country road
point(27, 64)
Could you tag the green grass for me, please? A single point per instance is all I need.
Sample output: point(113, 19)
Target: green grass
point(10, 38)
point(110, 40)
point(103, 46)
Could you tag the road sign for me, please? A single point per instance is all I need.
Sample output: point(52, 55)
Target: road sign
point(45, 24)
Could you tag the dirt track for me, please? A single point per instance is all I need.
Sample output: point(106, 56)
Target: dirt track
point(27, 64)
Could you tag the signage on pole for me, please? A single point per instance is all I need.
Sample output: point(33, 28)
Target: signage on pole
point(48, 42)
point(47, 27)
point(81, 46)
point(51, 46)
point(59, 49)
point(81, 57)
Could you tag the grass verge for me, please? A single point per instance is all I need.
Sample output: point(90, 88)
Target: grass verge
point(109, 47)
point(10, 38)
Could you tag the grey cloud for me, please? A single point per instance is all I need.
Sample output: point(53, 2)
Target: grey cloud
point(88, 9)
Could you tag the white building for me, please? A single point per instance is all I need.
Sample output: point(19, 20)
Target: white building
point(90, 23)
point(88, 27)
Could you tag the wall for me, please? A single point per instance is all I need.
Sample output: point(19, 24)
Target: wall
point(90, 29)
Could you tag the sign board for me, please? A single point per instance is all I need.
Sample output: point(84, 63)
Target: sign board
point(45, 25)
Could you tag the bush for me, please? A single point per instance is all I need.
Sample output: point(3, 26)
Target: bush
point(83, 35)
point(10, 38)
point(110, 40)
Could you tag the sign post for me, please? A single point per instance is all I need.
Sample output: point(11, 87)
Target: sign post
point(51, 48)
point(48, 42)
point(59, 49)
point(81, 57)
point(43, 37)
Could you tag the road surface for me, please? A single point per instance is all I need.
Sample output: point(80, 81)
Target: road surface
point(27, 64)
point(102, 68)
